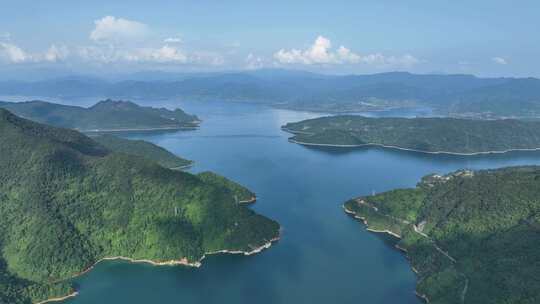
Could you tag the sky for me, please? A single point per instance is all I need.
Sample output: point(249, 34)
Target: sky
point(486, 38)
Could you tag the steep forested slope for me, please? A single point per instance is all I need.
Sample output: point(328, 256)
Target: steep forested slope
point(471, 236)
point(66, 202)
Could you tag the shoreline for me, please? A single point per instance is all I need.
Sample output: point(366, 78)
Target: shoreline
point(71, 295)
point(181, 262)
point(403, 250)
point(252, 200)
point(406, 149)
point(140, 129)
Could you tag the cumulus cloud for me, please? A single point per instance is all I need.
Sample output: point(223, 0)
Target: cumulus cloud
point(206, 58)
point(56, 53)
point(164, 54)
point(13, 53)
point(254, 62)
point(499, 60)
point(112, 29)
point(321, 53)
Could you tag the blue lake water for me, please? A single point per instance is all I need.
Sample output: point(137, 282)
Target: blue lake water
point(324, 255)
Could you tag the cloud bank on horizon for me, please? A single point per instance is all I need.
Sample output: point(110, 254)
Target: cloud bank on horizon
point(122, 40)
point(368, 37)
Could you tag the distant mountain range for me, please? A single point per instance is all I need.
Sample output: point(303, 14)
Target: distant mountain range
point(458, 95)
point(107, 115)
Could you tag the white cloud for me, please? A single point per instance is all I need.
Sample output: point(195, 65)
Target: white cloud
point(254, 62)
point(499, 60)
point(55, 53)
point(173, 40)
point(13, 53)
point(206, 58)
point(164, 54)
point(112, 29)
point(321, 53)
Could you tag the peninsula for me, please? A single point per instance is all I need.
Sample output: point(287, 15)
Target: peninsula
point(67, 202)
point(471, 236)
point(105, 116)
point(428, 135)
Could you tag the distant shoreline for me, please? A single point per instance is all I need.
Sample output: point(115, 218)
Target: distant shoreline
point(194, 127)
point(401, 148)
point(181, 262)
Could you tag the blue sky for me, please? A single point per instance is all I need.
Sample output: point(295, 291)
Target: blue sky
point(487, 38)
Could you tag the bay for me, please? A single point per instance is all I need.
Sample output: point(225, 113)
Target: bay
point(324, 256)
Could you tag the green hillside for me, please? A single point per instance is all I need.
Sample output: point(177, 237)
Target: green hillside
point(472, 237)
point(143, 149)
point(240, 193)
point(107, 115)
point(67, 202)
point(433, 135)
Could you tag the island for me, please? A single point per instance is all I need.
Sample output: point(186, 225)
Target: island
point(470, 236)
point(143, 149)
point(427, 135)
point(68, 202)
point(104, 116)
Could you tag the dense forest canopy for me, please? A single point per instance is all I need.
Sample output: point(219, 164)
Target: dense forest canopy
point(66, 202)
point(451, 135)
point(471, 236)
point(142, 148)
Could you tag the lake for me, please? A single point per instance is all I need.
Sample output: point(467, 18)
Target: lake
point(324, 256)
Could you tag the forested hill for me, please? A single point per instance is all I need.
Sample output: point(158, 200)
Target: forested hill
point(472, 237)
point(142, 148)
point(105, 115)
point(432, 135)
point(66, 202)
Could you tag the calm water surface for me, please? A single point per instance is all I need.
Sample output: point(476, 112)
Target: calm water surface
point(324, 255)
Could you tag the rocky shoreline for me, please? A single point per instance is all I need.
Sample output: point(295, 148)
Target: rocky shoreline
point(353, 214)
point(180, 262)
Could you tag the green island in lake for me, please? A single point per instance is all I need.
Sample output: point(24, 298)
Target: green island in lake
point(67, 202)
point(108, 115)
point(429, 135)
point(471, 236)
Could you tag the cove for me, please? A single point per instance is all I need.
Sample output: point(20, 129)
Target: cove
point(324, 256)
